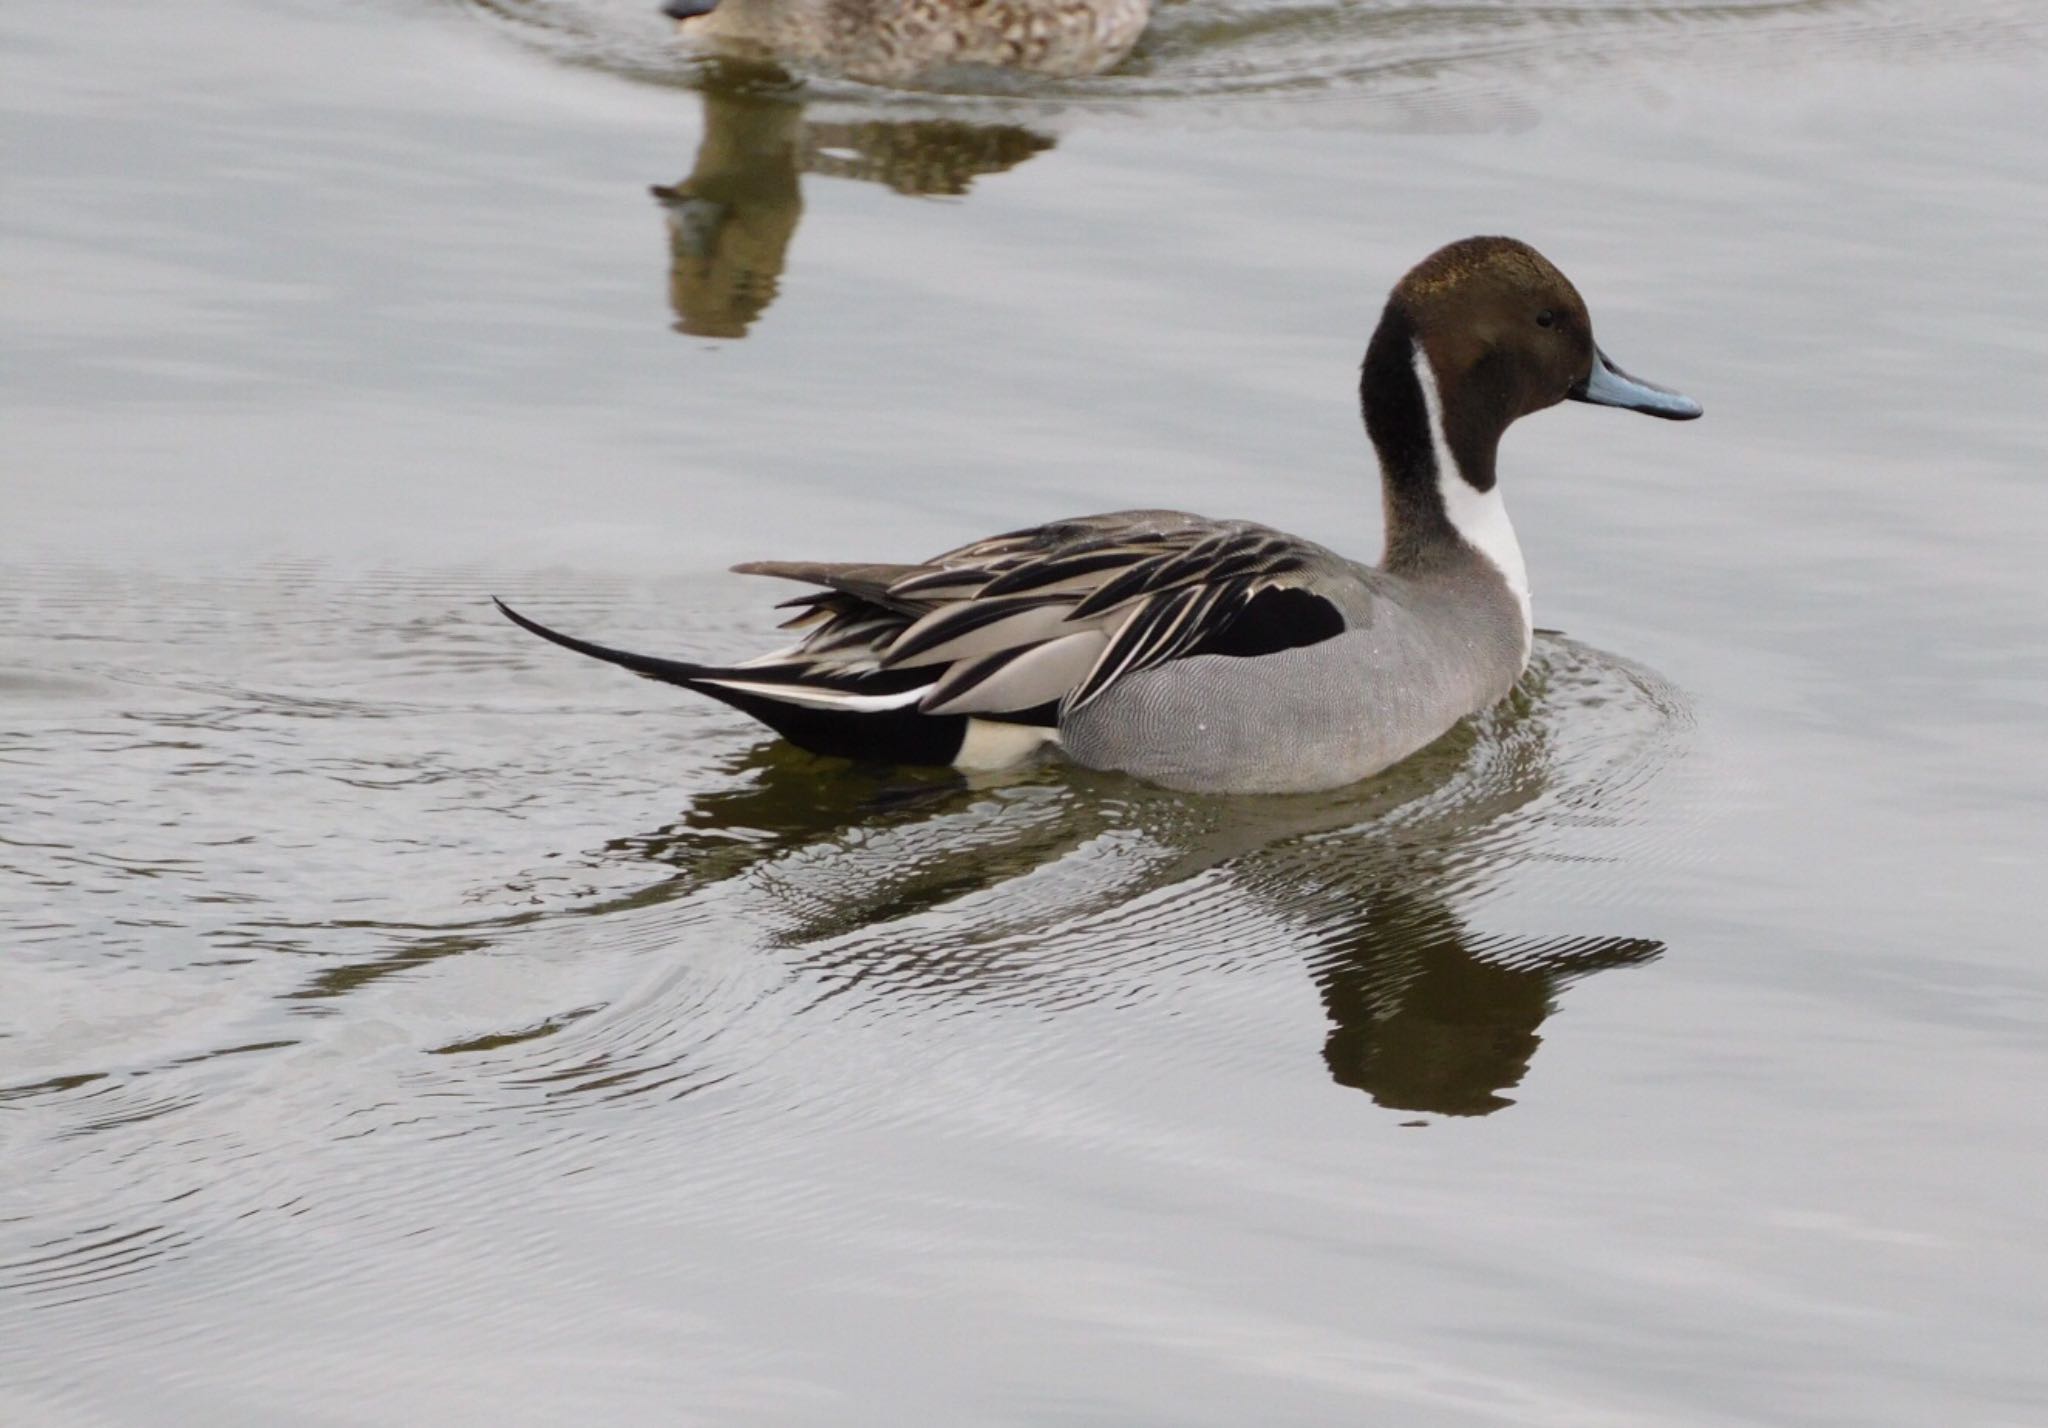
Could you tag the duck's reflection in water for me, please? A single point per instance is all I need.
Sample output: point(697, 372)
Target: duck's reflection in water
point(731, 221)
point(1426, 1016)
point(1069, 883)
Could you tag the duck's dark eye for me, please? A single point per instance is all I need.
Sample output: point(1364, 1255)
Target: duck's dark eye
point(1545, 318)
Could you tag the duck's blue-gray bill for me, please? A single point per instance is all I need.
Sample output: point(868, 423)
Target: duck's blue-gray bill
point(1609, 386)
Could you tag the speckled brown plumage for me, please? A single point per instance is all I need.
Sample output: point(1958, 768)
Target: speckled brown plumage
point(895, 41)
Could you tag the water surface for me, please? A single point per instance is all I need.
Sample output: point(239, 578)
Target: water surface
point(404, 1021)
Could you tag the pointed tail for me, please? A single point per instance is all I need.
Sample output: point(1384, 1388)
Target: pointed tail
point(668, 671)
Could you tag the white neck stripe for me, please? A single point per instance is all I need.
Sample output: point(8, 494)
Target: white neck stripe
point(1479, 517)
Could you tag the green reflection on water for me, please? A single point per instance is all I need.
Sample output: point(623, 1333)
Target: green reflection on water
point(731, 221)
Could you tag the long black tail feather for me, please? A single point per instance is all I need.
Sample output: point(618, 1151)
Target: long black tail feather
point(668, 671)
point(890, 736)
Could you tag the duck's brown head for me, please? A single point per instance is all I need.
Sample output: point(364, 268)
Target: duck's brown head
point(1503, 327)
point(1501, 333)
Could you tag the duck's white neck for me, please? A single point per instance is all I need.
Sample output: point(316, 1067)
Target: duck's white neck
point(1479, 517)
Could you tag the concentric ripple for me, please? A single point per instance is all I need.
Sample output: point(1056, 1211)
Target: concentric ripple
point(374, 940)
point(1408, 63)
point(876, 898)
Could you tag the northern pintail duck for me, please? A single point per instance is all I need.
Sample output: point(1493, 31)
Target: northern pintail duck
point(1215, 655)
point(893, 41)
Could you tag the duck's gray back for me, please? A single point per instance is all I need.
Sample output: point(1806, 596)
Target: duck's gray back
point(1419, 656)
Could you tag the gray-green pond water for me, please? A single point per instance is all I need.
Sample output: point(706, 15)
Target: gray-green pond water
point(404, 1022)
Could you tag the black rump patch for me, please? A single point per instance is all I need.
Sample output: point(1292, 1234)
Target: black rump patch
point(875, 736)
point(1277, 618)
point(1043, 716)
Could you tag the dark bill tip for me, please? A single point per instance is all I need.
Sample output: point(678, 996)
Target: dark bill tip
point(688, 9)
point(1608, 386)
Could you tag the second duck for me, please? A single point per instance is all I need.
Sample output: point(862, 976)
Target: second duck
point(897, 41)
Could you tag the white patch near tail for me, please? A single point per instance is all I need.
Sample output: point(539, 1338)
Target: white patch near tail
point(1479, 517)
point(993, 744)
point(813, 697)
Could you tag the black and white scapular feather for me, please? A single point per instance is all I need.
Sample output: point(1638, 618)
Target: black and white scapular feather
point(979, 654)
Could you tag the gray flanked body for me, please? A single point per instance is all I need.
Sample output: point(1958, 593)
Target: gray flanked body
point(1214, 655)
point(895, 41)
point(1326, 714)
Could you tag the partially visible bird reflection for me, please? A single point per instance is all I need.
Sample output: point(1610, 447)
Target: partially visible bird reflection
point(917, 883)
point(1428, 1017)
point(731, 221)
point(919, 158)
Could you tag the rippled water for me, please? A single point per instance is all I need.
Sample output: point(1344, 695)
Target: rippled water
point(402, 1021)
point(1384, 60)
